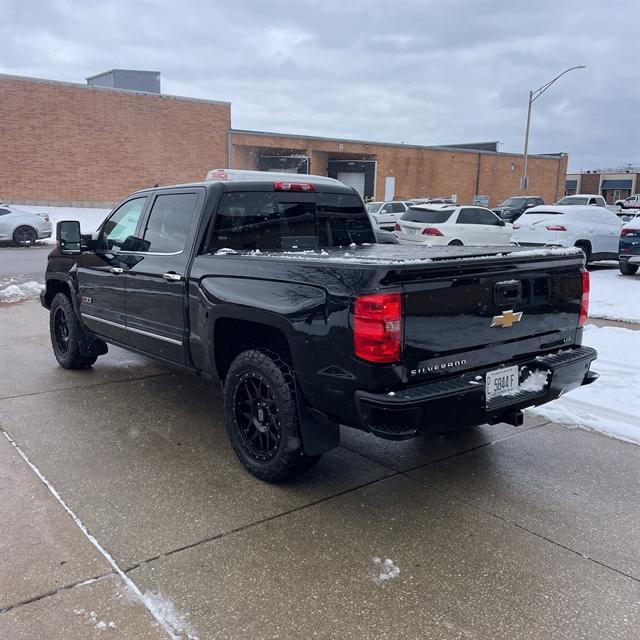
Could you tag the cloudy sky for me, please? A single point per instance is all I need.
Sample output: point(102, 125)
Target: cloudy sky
point(417, 72)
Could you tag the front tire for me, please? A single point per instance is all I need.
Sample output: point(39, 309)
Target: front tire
point(627, 269)
point(262, 417)
point(25, 236)
point(67, 335)
point(456, 243)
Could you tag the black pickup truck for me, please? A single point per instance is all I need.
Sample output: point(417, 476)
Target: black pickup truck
point(279, 291)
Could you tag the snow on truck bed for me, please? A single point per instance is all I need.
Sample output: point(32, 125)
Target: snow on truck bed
point(396, 254)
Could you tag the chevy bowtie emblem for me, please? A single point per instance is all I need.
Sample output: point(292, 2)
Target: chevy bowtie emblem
point(506, 319)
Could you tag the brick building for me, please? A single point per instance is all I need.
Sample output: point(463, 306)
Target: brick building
point(67, 143)
point(613, 184)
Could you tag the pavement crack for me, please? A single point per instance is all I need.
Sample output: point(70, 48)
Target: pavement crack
point(256, 523)
point(53, 592)
point(513, 523)
point(86, 386)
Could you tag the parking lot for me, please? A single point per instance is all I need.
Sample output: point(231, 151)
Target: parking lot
point(124, 514)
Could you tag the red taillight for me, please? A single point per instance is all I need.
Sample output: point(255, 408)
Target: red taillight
point(630, 232)
point(396, 227)
point(293, 186)
point(377, 327)
point(431, 231)
point(584, 303)
point(555, 227)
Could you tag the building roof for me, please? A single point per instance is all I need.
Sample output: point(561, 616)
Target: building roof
point(469, 147)
point(90, 87)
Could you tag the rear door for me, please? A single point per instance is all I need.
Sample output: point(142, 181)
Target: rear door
point(469, 224)
point(155, 281)
point(101, 273)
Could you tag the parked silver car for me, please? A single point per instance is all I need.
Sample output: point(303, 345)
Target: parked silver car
point(23, 227)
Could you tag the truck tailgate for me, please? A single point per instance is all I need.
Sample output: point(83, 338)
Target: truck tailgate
point(488, 314)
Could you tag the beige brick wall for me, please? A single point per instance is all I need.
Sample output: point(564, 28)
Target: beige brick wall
point(419, 171)
point(68, 143)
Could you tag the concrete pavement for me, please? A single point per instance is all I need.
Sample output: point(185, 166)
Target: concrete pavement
point(493, 533)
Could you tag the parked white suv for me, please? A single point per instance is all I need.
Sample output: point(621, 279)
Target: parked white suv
point(384, 215)
point(595, 230)
point(439, 224)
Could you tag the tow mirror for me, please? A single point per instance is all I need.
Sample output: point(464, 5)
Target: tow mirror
point(68, 236)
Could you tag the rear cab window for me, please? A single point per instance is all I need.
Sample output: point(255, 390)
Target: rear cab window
point(286, 221)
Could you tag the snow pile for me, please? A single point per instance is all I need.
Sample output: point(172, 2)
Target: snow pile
point(385, 570)
point(614, 296)
point(163, 609)
point(612, 403)
point(536, 381)
point(10, 291)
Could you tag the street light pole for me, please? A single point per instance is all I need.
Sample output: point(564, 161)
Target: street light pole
point(533, 96)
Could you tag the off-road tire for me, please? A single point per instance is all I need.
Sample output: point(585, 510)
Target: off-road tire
point(274, 376)
point(627, 269)
point(25, 236)
point(67, 335)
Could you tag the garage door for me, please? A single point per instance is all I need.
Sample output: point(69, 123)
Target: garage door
point(352, 180)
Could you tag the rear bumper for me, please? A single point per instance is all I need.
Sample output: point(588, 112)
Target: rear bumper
point(630, 259)
point(460, 402)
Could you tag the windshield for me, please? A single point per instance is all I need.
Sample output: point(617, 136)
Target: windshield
point(569, 200)
point(374, 207)
point(432, 216)
point(512, 202)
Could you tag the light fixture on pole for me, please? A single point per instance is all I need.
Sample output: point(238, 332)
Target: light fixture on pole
point(533, 96)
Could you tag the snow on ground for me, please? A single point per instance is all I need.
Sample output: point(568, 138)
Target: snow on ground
point(88, 217)
point(13, 291)
point(612, 403)
point(614, 296)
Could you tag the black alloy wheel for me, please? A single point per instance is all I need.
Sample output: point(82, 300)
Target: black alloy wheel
point(25, 236)
point(261, 416)
point(61, 330)
point(257, 416)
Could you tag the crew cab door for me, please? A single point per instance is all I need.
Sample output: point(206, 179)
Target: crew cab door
point(155, 282)
point(101, 273)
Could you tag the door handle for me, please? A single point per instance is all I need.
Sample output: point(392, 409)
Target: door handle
point(116, 269)
point(171, 276)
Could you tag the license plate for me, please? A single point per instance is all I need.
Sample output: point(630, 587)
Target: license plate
point(502, 382)
point(413, 231)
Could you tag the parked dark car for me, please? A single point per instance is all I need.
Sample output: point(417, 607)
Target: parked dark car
point(512, 208)
point(278, 291)
point(629, 248)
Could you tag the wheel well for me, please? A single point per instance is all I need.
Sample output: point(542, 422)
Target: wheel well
point(54, 287)
point(232, 337)
point(584, 243)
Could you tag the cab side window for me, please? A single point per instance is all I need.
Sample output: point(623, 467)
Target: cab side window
point(169, 223)
point(121, 225)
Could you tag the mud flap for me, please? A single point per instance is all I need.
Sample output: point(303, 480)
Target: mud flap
point(319, 434)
